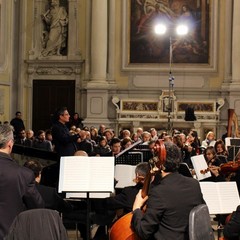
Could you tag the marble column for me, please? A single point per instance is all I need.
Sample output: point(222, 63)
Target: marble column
point(235, 43)
point(234, 99)
point(99, 42)
point(97, 86)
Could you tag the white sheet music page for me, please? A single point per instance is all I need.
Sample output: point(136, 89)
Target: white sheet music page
point(86, 174)
point(124, 174)
point(220, 197)
point(199, 163)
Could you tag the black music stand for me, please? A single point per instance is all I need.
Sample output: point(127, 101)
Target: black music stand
point(130, 158)
point(88, 175)
point(184, 170)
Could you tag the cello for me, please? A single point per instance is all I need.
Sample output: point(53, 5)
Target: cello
point(121, 229)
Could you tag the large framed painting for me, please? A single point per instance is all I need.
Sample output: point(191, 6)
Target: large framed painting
point(143, 46)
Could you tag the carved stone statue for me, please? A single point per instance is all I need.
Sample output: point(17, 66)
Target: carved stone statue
point(55, 33)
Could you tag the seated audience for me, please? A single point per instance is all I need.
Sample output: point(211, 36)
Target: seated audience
point(126, 142)
point(102, 147)
point(115, 146)
point(85, 144)
point(21, 139)
point(41, 143)
point(209, 141)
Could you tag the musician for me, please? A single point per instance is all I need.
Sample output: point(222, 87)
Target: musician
point(214, 163)
point(220, 148)
point(49, 194)
point(191, 147)
point(170, 201)
point(231, 230)
point(65, 143)
point(17, 188)
point(126, 197)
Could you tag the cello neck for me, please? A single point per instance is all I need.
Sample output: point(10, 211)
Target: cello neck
point(146, 184)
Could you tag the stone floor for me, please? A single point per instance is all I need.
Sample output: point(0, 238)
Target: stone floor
point(73, 235)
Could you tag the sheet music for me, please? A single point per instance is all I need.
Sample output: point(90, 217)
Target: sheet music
point(86, 174)
point(124, 174)
point(199, 163)
point(84, 195)
point(220, 197)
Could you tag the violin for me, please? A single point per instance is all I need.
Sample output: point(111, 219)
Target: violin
point(229, 167)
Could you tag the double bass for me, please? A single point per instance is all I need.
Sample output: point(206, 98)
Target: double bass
point(121, 229)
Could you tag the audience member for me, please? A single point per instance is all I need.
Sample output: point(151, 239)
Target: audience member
point(94, 134)
point(126, 133)
point(209, 141)
point(108, 133)
point(139, 132)
point(84, 144)
point(146, 137)
point(76, 121)
point(154, 134)
point(102, 147)
point(30, 134)
point(126, 142)
point(115, 146)
point(17, 186)
point(17, 123)
point(41, 143)
point(170, 201)
point(21, 139)
point(135, 137)
point(101, 129)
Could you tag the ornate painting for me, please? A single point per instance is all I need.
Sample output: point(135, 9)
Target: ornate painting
point(147, 47)
point(197, 106)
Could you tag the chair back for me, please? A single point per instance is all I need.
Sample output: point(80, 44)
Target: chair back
point(200, 224)
point(37, 224)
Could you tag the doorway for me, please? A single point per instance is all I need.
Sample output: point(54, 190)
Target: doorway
point(48, 95)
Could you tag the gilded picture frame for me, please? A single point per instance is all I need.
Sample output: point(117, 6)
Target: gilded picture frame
point(143, 50)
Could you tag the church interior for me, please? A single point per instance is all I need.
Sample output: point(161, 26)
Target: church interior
point(111, 62)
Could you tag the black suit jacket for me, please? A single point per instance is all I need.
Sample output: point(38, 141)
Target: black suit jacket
point(52, 199)
point(65, 144)
point(124, 199)
point(232, 229)
point(168, 208)
point(17, 192)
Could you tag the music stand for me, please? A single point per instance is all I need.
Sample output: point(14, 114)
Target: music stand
point(87, 175)
point(184, 170)
point(130, 158)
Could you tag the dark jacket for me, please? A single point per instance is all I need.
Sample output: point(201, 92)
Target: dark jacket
point(52, 199)
point(18, 192)
point(65, 143)
point(231, 230)
point(168, 207)
point(37, 224)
